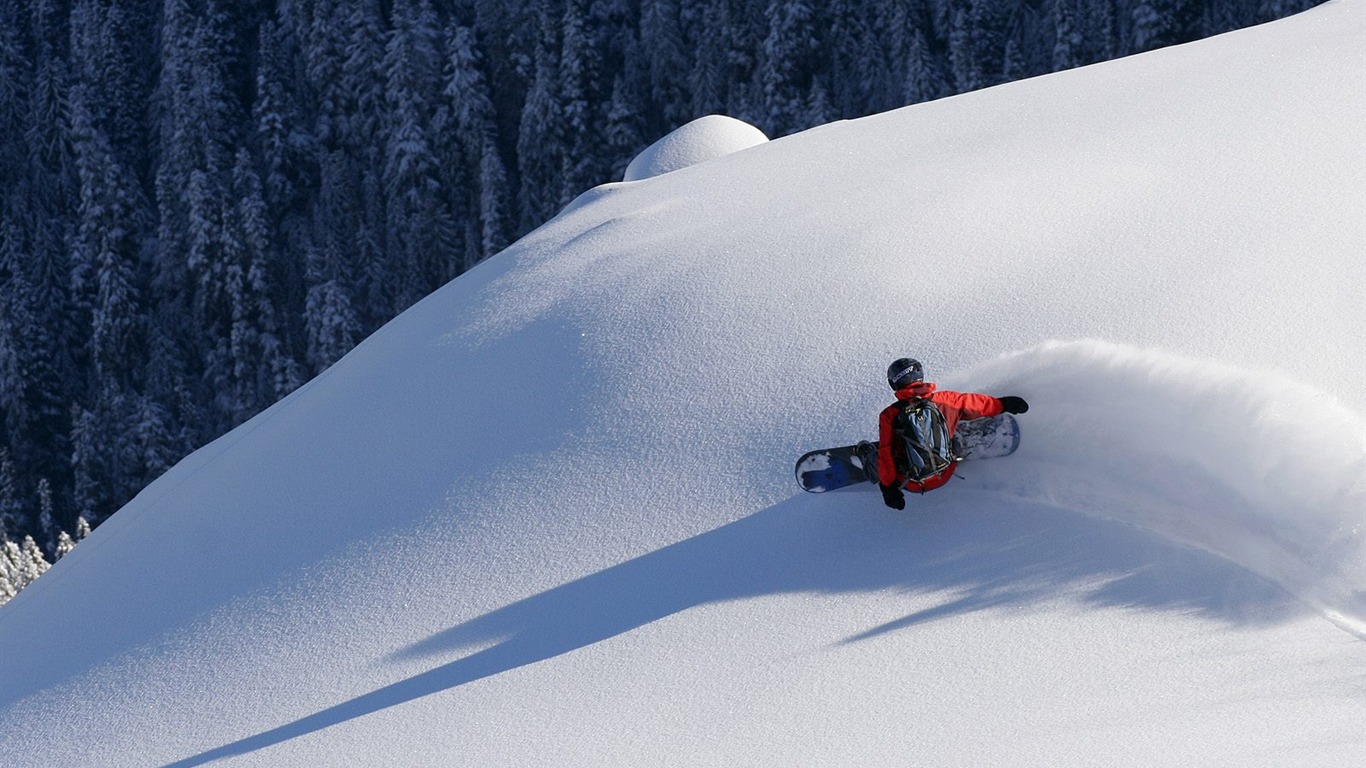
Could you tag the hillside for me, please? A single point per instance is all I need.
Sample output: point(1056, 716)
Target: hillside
point(546, 516)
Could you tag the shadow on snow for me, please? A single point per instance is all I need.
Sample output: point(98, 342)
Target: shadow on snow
point(966, 546)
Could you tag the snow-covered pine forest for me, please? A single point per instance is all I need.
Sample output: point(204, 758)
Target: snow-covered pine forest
point(204, 204)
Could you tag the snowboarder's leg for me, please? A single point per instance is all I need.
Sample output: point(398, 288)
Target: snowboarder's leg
point(867, 456)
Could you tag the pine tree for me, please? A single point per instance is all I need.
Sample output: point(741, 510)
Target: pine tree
point(494, 209)
point(580, 165)
point(11, 507)
point(858, 62)
point(661, 41)
point(9, 569)
point(923, 79)
point(624, 127)
point(323, 40)
point(332, 322)
point(32, 564)
point(155, 445)
point(105, 38)
point(963, 58)
point(18, 327)
point(32, 387)
point(46, 522)
point(1151, 28)
point(786, 66)
point(819, 110)
point(197, 122)
point(360, 167)
point(170, 419)
point(16, 80)
point(64, 546)
point(1098, 32)
point(709, 78)
point(105, 285)
point(362, 76)
point(540, 147)
point(95, 456)
point(330, 318)
point(287, 142)
point(262, 369)
point(419, 235)
point(473, 121)
point(1158, 23)
point(20, 566)
point(108, 244)
point(1067, 40)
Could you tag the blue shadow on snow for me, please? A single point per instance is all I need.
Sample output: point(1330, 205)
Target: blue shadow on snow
point(844, 542)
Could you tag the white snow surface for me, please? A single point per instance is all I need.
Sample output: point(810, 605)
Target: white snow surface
point(547, 516)
point(706, 138)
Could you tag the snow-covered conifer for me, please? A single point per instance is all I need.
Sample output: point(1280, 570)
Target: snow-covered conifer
point(11, 507)
point(33, 564)
point(786, 65)
point(63, 546)
point(9, 570)
point(710, 71)
point(539, 139)
point(419, 225)
point(661, 37)
point(329, 314)
point(46, 522)
point(580, 163)
point(1067, 40)
point(624, 128)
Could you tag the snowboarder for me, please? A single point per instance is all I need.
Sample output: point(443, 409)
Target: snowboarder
point(904, 459)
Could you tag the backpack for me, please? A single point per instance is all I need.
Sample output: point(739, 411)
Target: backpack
point(929, 450)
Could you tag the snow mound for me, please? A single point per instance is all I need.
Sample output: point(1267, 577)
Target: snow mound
point(705, 138)
point(1253, 467)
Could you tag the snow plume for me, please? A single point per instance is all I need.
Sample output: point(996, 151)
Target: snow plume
point(1245, 463)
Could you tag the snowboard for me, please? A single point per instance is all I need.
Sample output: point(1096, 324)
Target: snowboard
point(829, 469)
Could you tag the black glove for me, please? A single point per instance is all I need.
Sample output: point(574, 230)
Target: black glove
point(892, 497)
point(1013, 404)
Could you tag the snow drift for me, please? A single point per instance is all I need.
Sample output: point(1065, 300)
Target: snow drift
point(703, 139)
point(547, 515)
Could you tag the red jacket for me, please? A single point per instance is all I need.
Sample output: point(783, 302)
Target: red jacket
point(954, 405)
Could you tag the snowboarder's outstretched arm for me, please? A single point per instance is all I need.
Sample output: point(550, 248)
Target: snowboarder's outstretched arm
point(969, 405)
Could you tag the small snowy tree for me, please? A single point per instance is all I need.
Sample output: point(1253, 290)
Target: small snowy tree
point(65, 543)
point(37, 564)
point(9, 572)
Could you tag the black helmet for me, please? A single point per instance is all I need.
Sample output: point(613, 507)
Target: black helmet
point(904, 372)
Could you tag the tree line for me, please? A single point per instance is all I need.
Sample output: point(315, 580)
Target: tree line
point(204, 203)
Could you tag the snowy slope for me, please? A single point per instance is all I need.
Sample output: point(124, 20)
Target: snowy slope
point(547, 515)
